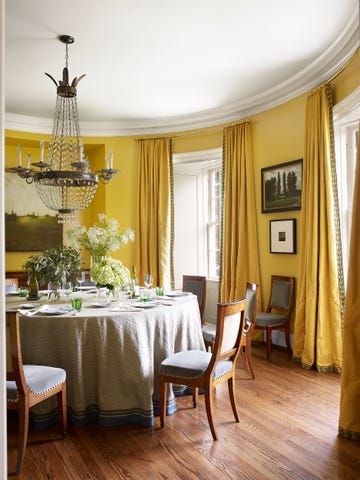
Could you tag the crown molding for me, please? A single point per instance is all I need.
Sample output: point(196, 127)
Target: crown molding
point(320, 70)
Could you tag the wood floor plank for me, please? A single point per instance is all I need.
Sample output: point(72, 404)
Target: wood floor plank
point(287, 431)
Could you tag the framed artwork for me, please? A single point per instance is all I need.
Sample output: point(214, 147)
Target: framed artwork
point(29, 224)
point(281, 187)
point(283, 236)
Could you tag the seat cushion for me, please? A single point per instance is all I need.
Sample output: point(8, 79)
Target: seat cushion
point(209, 333)
point(40, 379)
point(269, 319)
point(192, 364)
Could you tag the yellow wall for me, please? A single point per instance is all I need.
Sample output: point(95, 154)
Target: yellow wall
point(278, 136)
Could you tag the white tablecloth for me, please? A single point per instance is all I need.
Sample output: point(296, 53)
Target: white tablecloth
point(111, 358)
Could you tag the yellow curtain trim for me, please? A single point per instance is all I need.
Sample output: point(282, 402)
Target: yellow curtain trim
point(172, 236)
point(327, 369)
point(349, 434)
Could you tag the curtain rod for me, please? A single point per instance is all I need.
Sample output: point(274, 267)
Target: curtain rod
point(193, 134)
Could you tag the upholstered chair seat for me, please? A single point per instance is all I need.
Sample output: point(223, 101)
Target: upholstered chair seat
point(28, 385)
point(199, 369)
point(209, 330)
point(277, 314)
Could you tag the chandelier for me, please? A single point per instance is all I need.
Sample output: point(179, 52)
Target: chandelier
point(64, 181)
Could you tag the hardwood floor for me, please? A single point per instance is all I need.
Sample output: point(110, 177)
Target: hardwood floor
point(287, 430)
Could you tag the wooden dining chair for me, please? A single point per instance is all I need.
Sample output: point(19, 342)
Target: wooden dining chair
point(196, 284)
point(278, 311)
point(201, 369)
point(209, 330)
point(28, 385)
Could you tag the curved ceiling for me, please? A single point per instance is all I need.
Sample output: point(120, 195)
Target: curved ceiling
point(161, 65)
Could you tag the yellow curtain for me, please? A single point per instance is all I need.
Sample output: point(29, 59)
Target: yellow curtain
point(317, 333)
point(154, 213)
point(240, 252)
point(349, 420)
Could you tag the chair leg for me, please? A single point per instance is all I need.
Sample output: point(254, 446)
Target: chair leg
point(287, 338)
point(23, 433)
point(62, 406)
point(195, 396)
point(243, 358)
point(231, 386)
point(163, 390)
point(249, 358)
point(209, 410)
point(268, 342)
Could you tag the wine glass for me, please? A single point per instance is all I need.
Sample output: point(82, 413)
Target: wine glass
point(82, 278)
point(67, 289)
point(148, 280)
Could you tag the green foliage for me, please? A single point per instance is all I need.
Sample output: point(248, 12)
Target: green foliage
point(55, 265)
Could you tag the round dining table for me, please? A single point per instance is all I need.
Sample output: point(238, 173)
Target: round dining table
point(111, 352)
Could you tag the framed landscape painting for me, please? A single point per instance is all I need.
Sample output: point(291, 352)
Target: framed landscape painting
point(29, 224)
point(281, 187)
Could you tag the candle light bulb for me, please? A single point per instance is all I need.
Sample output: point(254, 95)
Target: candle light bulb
point(41, 151)
point(19, 155)
point(111, 159)
point(28, 160)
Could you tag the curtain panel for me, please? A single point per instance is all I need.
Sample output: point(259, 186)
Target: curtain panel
point(349, 420)
point(154, 230)
point(317, 333)
point(240, 251)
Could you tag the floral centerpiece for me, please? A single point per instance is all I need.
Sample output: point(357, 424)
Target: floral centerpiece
point(110, 273)
point(58, 264)
point(103, 237)
point(100, 239)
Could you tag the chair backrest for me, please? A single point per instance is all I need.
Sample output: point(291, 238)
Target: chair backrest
point(252, 291)
point(229, 330)
point(281, 294)
point(11, 285)
point(196, 284)
point(14, 364)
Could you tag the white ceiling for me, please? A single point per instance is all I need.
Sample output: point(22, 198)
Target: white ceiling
point(170, 65)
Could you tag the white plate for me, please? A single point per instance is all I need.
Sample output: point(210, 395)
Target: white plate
point(176, 294)
point(13, 294)
point(54, 311)
point(145, 304)
point(28, 305)
point(88, 287)
point(100, 304)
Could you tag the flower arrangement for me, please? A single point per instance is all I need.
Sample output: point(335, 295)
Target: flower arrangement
point(56, 264)
point(110, 273)
point(103, 237)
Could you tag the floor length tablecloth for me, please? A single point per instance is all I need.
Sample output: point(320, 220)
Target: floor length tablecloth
point(112, 359)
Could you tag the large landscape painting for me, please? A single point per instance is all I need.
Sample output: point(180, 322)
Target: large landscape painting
point(29, 224)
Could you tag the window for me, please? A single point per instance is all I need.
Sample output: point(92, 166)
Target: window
point(197, 201)
point(346, 125)
point(214, 221)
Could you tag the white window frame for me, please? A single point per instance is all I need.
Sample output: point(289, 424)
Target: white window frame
point(346, 117)
point(199, 163)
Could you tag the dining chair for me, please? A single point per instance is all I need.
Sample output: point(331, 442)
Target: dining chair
point(209, 330)
point(278, 311)
point(28, 385)
point(196, 284)
point(11, 285)
point(205, 370)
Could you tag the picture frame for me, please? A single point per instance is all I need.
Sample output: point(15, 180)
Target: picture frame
point(29, 225)
point(281, 187)
point(283, 236)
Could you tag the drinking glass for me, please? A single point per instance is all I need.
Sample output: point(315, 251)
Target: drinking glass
point(82, 278)
point(67, 289)
point(148, 280)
